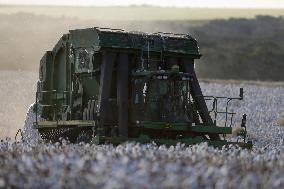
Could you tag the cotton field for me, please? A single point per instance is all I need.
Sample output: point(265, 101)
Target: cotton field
point(34, 164)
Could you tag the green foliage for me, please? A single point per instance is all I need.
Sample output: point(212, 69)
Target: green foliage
point(249, 49)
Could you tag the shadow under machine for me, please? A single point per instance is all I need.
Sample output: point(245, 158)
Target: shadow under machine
point(104, 85)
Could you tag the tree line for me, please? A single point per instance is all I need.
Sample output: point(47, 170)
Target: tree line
point(250, 49)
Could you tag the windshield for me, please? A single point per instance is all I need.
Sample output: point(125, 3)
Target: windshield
point(166, 99)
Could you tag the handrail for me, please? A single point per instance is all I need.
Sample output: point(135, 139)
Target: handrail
point(216, 111)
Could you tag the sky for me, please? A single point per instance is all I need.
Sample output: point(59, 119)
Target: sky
point(164, 3)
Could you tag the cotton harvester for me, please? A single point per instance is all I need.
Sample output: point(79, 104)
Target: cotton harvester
point(104, 85)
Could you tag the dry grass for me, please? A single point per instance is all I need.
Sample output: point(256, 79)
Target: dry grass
point(16, 94)
point(280, 122)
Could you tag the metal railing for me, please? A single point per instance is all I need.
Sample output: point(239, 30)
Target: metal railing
point(216, 111)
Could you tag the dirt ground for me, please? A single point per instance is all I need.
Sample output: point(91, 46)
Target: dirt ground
point(16, 94)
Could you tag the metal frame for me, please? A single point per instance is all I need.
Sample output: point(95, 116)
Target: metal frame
point(55, 106)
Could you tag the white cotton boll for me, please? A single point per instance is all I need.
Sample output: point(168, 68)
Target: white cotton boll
point(130, 165)
point(279, 183)
point(251, 181)
point(2, 182)
point(30, 135)
point(191, 182)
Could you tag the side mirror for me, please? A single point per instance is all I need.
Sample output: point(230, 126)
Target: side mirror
point(241, 93)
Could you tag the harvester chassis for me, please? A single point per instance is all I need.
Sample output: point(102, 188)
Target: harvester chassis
point(102, 85)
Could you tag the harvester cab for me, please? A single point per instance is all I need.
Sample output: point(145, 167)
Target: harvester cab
point(106, 85)
point(161, 96)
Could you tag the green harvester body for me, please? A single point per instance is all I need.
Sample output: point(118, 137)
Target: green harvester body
point(103, 85)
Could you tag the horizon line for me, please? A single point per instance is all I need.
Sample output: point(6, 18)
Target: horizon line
point(134, 5)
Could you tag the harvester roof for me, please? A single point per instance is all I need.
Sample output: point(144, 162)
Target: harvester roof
point(134, 41)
